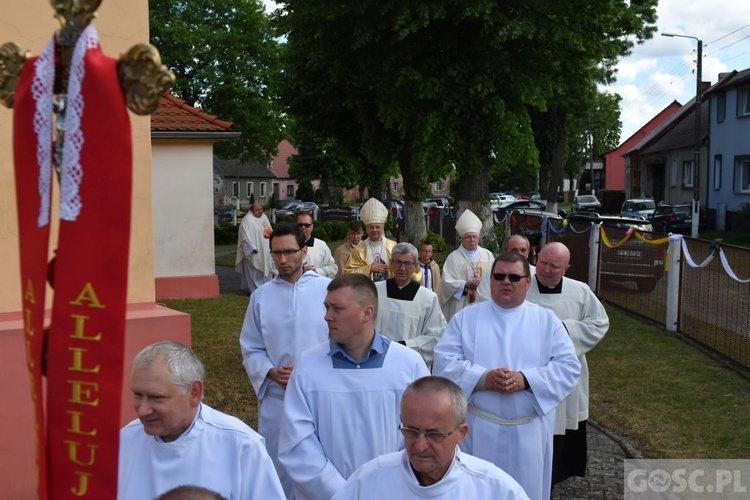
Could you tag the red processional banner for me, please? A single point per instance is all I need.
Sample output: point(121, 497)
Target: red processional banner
point(78, 441)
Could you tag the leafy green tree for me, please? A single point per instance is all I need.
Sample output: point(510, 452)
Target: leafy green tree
point(224, 55)
point(449, 85)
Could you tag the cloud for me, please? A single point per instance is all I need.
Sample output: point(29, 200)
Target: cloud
point(662, 70)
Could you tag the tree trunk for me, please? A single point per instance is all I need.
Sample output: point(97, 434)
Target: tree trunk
point(556, 169)
point(472, 191)
point(415, 228)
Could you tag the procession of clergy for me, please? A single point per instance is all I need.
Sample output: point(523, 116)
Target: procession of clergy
point(378, 376)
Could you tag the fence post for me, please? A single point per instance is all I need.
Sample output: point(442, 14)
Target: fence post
point(594, 238)
point(674, 258)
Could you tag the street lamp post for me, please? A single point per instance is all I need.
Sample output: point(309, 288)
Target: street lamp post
point(697, 152)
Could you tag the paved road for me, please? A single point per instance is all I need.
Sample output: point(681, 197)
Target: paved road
point(606, 453)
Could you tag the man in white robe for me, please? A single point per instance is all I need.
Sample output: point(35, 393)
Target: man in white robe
point(342, 402)
point(587, 322)
point(515, 362)
point(464, 267)
point(319, 258)
point(177, 440)
point(433, 423)
point(354, 237)
point(253, 260)
point(284, 317)
point(408, 312)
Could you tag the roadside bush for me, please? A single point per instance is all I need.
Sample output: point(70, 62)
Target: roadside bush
point(320, 231)
point(437, 242)
point(337, 230)
point(226, 235)
point(743, 219)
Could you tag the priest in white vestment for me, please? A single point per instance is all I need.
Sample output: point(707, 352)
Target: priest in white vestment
point(342, 402)
point(515, 362)
point(353, 238)
point(433, 423)
point(253, 260)
point(464, 267)
point(284, 317)
point(408, 312)
point(177, 440)
point(587, 322)
point(319, 258)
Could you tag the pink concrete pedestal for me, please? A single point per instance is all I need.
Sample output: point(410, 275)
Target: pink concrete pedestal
point(146, 324)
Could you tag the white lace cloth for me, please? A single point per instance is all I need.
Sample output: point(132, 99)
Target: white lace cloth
point(42, 88)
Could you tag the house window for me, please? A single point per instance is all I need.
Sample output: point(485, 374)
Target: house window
point(290, 191)
point(673, 173)
point(262, 189)
point(721, 107)
point(439, 186)
point(717, 172)
point(249, 189)
point(742, 174)
point(743, 102)
point(394, 188)
point(687, 174)
point(235, 190)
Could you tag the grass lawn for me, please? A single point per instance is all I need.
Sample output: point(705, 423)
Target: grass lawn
point(667, 398)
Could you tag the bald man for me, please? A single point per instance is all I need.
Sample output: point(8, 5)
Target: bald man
point(587, 322)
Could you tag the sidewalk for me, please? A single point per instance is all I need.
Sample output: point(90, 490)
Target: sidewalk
point(604, 479)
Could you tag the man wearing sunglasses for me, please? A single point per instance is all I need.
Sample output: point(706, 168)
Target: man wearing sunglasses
point(319, 258)
point(587, 322)
point(408, 312)
point(515, 363)
point(433, 423)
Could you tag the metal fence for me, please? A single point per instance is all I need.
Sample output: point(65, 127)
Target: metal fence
point(697, 287)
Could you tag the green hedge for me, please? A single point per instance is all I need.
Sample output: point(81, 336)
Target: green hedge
point(226, 235)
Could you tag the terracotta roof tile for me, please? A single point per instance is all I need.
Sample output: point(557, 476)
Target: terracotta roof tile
point(174, 115)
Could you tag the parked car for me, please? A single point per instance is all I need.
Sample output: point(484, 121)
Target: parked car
point(586, 203)
point(337, 213)
point(500, 200)
point(306, 206)
point(528, 222)
point(528, 204)
point(396, 207)
point(633, 261)
point(676, 218)
point(639, 207)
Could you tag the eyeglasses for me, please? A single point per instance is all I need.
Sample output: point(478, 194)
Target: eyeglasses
point(431, 436)
point(304, 225)
point(403, 263)
point(285, 253)
point(513, 278)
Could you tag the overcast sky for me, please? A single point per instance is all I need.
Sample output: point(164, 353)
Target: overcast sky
point(663, 69)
